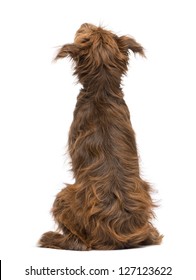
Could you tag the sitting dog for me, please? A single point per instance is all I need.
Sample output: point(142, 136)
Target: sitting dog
point(109, 206)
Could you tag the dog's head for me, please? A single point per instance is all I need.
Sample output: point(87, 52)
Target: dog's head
point(96, 50)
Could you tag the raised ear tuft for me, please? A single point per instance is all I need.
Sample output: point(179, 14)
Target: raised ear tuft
point(126, 43)
point(71, 50)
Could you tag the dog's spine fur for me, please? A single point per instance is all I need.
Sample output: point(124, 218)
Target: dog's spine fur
point(96, 154)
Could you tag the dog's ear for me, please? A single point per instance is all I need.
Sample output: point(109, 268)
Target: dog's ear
point(126, 43)
point(71, 50)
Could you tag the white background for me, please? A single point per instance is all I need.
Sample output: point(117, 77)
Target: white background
point(37, 100)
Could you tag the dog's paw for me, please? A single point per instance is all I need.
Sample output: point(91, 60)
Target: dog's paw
point(49, 240)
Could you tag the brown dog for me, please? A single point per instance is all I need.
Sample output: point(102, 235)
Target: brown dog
point(109, 206)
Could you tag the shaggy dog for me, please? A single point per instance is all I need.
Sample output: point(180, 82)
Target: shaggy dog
point(109, 206)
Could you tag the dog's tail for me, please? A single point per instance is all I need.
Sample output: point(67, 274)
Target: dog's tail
point(68, 241)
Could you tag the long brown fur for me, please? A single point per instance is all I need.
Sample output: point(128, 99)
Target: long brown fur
point(109, 206)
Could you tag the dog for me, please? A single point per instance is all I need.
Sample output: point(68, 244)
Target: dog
point(109, 206)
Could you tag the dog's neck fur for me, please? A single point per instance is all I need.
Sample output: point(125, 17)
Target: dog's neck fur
point(103, 82)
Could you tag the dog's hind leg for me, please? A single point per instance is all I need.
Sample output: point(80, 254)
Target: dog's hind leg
point(72, 238)
point(66, 241)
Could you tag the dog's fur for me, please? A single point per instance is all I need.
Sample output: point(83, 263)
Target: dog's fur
point(109, 206)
